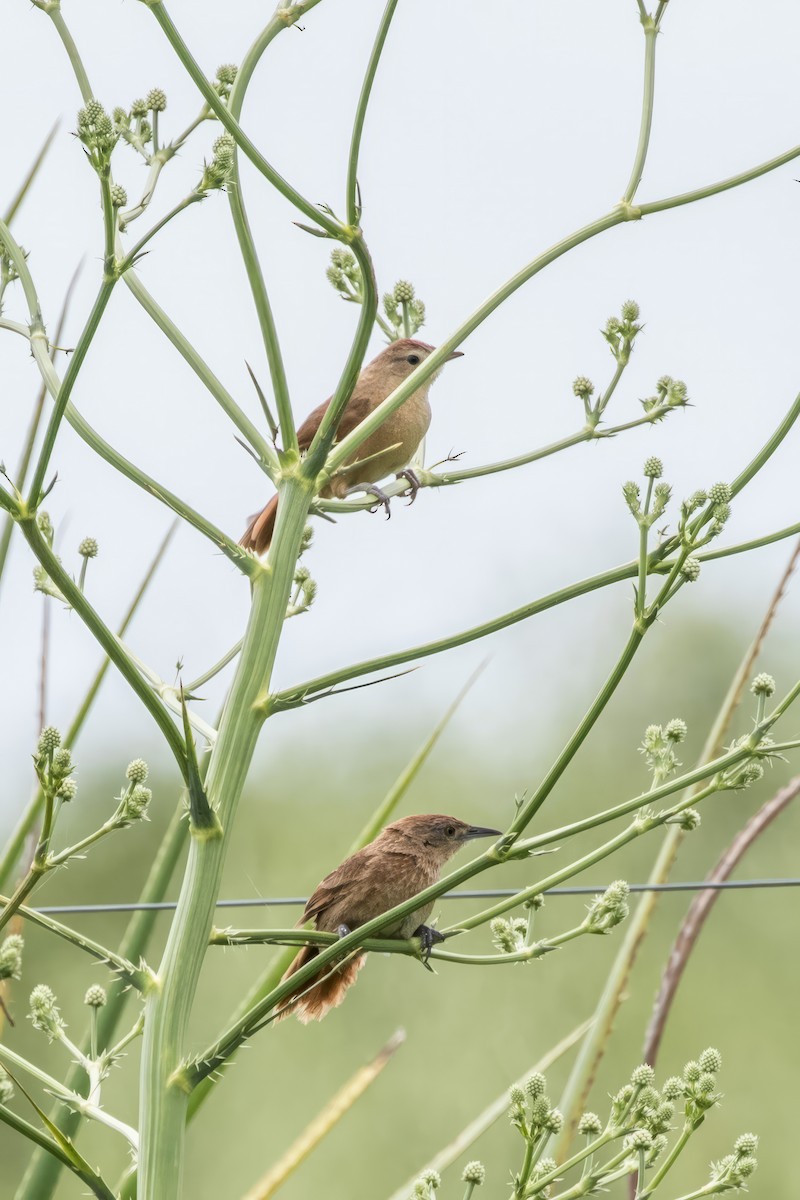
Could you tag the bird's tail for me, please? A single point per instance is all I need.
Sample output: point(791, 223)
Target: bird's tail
point(258, 534)
point(313, 1000)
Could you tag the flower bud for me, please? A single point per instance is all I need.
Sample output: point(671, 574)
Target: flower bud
point(137, 771)
point(44, 1012)
point(95, 996)
point(691, 569)
point(675, 730)
point(403, 291)
point(583, 387)
point(555, 1121)
point(68, 790)
point(227, 73)
point(692, 1072)
point(719, 493)
point(630, 311)
point(62, 762)
point(49, 740)
point(474, 1172)
point(763, 685)
point(6, 1087)
point(139, 109)
point(590, 1124)
point(653, 467)
point(536, 1085)
point(747, 1143)
point(516, 1097)
point(710, 1060)
point(673, 1088)
point(119, 198)
point(136, 804)
point(11, 956)
point(688, 820)
point(156, 100)
point(643, 1076)
point(640, 1139)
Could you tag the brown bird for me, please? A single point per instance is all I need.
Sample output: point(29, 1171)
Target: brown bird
point(403, 860)
point(389, 450)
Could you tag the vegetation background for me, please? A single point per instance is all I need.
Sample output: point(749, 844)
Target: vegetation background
point(487, 139)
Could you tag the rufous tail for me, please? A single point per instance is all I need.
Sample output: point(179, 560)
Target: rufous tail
point(258, 534)
point(322, 996)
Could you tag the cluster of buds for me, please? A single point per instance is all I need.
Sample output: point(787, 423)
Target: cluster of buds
point(217, 173)
point(11, 957)
point(224, 79)
point(658, 747)
point(428, 1183)
point(670, 393)
point(608, 909)
point(344, 275)
point(717, 498)
point(135, 799)
point(98, 133)
point(735, 1169)
point(304, 594)
point(658, 494)
point(44, 1012)
point(509, 936)
point(54, 766)
point(474, 1175)
point(620, 332)
point(404, 311)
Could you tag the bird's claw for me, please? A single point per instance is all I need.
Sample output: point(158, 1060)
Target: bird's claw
point(428, 938)
point(414, 483)
point(381, 497)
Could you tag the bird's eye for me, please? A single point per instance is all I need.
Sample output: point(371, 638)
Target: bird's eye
point(450, 831)
point(413, 359)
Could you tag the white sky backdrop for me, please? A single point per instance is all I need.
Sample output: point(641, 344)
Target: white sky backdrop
point(493, 131)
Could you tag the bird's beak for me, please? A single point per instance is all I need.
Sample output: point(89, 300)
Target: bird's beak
point(476, 831)
point(455, 354)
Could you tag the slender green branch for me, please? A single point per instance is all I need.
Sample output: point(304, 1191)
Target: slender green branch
point(767, 450)
point(187, 351)
point(194, 197)
point(105, 637)
point(351, 189)
point(650, 34)
point(69, 1159)
point(56, 16)
point(724, 185)
point(247, 247)
point(326, 433)
point(233, 127)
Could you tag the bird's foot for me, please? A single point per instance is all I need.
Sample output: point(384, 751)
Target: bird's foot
point(428, 938)
point(414, 483)
point(373, 490)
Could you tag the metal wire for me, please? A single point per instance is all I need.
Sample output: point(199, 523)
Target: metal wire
point(483, 894)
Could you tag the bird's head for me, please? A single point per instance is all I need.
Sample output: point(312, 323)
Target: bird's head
point(400, 358)
point(436, 834)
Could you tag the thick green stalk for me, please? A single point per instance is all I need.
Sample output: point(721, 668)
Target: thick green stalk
point(55, 15)
point(163, 1100)
point(351, 188)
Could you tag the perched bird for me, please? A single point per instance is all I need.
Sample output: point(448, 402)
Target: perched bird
point(389, 450)
point(403, 860)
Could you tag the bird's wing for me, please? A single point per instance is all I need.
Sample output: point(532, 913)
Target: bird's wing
point(358, 407)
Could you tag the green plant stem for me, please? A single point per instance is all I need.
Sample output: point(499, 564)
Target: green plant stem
point(670, 1160)
point(67, 384)
point(25, 186)
point(163, 1099)
point(13, 847)
point(104, 636)
point(71, 1160)
point(33, 427)
point(247, 246)
point(41, 1177)
point(233, 127)
point(326, 433)
point(194, 197)
point(650, 34)
point(409, 773)
point(351, 188)
point(723, 185)
point(529, 810)
point(187, 351)
point(767, 450)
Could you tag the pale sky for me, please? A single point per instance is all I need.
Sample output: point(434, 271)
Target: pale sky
point(493, 132)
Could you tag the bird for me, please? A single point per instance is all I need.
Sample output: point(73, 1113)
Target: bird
point(389, 449)
point(406, 857)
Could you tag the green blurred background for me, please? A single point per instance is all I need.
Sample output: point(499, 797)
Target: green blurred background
point(470, 1032)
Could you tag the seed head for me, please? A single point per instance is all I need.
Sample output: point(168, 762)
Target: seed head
point(156, 99)
point(474, 1172)
point(95, 996)
point(583, 387)
point(137, 771)
point(653, 468)
point(763, 685)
